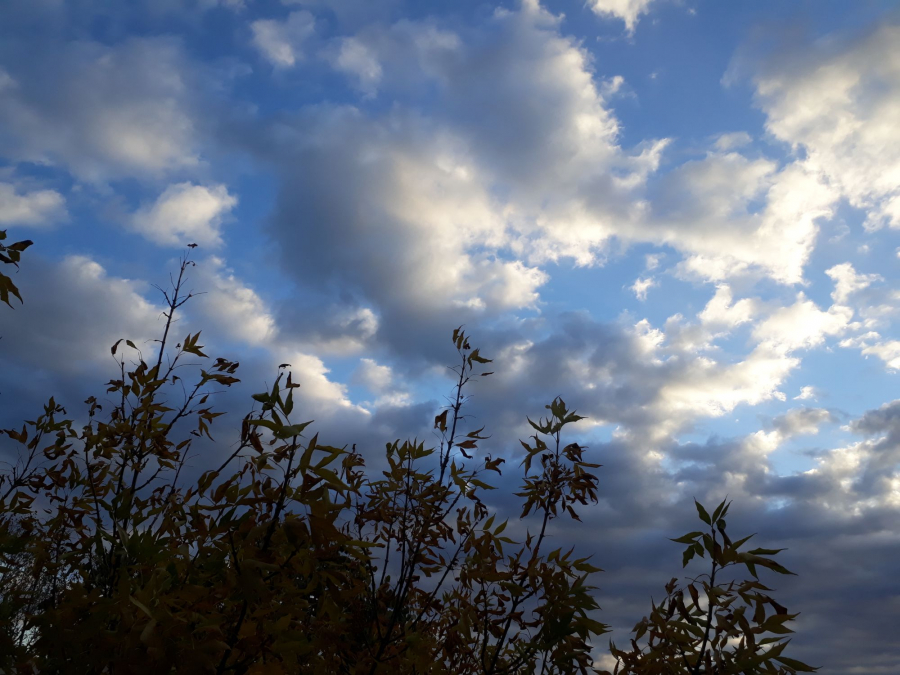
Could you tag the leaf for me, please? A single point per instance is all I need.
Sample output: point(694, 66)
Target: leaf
point(795, 664)
point(704, 516)
point(687, 538)
point(474, 356)
point(140, 605)
point(440, 421)
point(687, 556)
point(148, 630)
point(718, 512)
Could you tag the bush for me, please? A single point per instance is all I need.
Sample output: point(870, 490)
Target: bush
point(291, 557)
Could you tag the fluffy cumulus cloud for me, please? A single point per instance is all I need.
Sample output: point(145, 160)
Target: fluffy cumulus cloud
point(419, 189)
point(838, 102)
point(654, 383)
point(628, 11)
point(75, 312)
point(381, 381)
point(32, 207)
point(848, 281)
point(723, 311)
point(801, 325)
point(709, 208)
point(185, 213)
point(102, 112)
point(282, 42)
point(354, 58)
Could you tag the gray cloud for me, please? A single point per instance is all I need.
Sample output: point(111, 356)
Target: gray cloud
point(101, 112)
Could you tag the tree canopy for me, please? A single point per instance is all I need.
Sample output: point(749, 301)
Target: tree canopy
point(289, 555)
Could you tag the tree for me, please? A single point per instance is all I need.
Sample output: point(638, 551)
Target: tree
point(720, 627)
point(10, 254)
point(291, 556)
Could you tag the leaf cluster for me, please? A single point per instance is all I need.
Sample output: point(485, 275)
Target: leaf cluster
point(707, 625)
point(10, 254)
point(292, 556)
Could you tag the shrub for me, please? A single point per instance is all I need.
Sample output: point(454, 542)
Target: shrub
point(291, 557)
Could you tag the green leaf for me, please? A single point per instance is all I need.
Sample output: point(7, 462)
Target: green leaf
point(704, 516)
point(687, 538)
point(766, 551)
point(799, 666)
point(718, 512)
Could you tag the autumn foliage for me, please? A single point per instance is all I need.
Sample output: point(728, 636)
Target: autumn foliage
point(292, 556)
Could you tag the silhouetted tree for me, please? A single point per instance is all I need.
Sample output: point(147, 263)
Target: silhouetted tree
point(291, 557)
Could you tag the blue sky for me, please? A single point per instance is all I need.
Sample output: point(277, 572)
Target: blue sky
point(682, 216)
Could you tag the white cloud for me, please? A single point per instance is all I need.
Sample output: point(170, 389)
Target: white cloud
point(721, 311)
point(840, 101)
point(356, 59)
point(371, 374)
point(381, 381)
point(801, 422)
point(628, 11)
point(467, 202)
point(281, 42)
point(230, 307)
point(235, 312)
point(801, 325)
point(37, 207)
point(706, 388)
point(102, 112)
point(734, 215)
point(886, 350)
point(185, 213)
point(652, 260)
point(732, 141)
point(641, 285)
point(806, 393)
point(425, 228)
point(848, 281)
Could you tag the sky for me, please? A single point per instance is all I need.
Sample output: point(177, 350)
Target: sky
point(679, 215)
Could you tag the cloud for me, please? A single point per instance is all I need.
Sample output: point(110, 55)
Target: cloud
point(641, 285)
point(848, 281)
point(454, 203)
point(395, 215)
point(732, 215)
point(229, 307)
point(354, 58)
point(240, 318)
point(381, 381)
point(732, 141)
point(628, 11)
point(806, 393)
point(721, 311)
point(801, 421)
point(801, 325)
point(74, 311)
point(185, 213)
point(36, 208)
point(838, 102)
point(281, 42)
point(652, 383)
point(872, 344)
point(102, 112)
